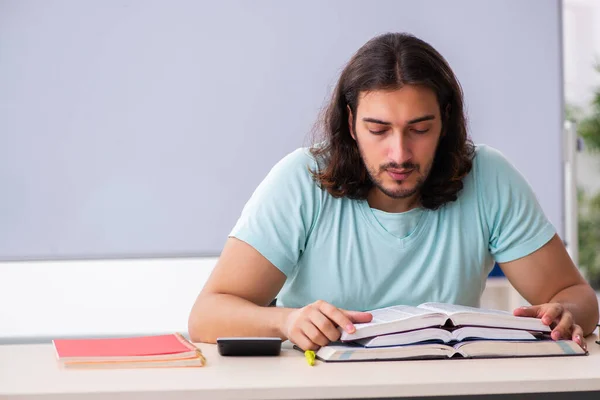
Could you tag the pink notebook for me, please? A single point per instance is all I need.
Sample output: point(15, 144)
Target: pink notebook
point(163, 349)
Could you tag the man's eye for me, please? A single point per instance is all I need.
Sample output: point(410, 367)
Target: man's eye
point(378, 132)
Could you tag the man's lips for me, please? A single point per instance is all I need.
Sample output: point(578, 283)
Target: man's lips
point(399, 174)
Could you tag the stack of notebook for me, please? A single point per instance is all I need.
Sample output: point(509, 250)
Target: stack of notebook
point(438, 330)
point(132, 352)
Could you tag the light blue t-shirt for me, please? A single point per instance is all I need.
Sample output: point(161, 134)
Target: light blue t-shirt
point(346, 253)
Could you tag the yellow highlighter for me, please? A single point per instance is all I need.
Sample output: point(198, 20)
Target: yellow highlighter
point(310, 357)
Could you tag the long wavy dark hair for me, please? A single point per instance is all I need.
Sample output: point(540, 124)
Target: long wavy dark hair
point(388, 62)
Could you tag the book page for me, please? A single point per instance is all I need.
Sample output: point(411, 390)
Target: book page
point(477, 332)
point(357, 353)
point(464, 315)
point(396, 313)
point(484, 348)
point(394, 319)
point(407, 338)
point(450, 309)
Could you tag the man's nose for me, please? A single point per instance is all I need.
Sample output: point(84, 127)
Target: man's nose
point(399, 149)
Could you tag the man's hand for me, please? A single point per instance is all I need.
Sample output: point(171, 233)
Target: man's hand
point(558, 318)
point(316, 324)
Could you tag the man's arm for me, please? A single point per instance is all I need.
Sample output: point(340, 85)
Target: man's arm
point(549, 280)
point(235, 299)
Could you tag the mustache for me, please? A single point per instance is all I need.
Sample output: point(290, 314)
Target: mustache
point(404, 165)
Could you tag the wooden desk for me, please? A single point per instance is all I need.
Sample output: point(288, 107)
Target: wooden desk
point(31, 372)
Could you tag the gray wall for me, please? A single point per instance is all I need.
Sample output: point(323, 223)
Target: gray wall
point(140, 128)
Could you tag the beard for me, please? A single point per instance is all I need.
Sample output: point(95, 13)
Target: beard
point(395, 192)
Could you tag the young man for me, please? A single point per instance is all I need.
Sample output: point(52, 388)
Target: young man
point(395, 206)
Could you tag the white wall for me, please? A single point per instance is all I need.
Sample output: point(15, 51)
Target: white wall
point(581, 49)
point(42, 300)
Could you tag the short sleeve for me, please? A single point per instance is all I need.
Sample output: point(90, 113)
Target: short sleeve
point(279, 216)
point(516, 223)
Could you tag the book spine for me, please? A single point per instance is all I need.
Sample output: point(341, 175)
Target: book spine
point(191, 346)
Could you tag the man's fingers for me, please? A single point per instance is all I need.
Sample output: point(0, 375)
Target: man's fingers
point(344, 318)
point(302, 341)
point(337, 316)
point(531, 311)
point(564, 327)
point(577, 336)
point(325, 325)
point(358, 317)
point(314, 334)
point(551, 314)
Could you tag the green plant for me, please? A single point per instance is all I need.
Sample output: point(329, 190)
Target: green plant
point(589, 237)
point(588, 127)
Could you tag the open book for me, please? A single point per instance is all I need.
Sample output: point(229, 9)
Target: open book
point(440, 335)
point(339, 352)
point(407, 318)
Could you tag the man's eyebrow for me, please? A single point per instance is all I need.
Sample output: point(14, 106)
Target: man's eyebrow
point(412, 121)
point(421, 119)
point(376, 121)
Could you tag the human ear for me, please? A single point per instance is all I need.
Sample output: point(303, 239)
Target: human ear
point(351, 123)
